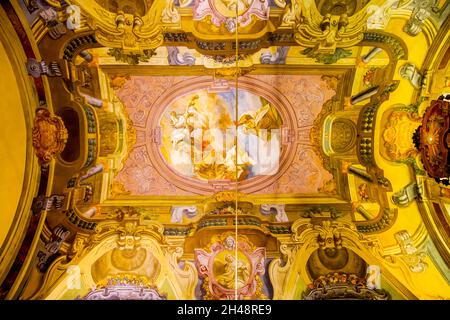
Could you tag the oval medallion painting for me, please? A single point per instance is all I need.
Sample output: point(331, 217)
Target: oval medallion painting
point(229, 272)
point(199, 139)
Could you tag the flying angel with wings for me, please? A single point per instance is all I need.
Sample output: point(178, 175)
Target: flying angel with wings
point(266, 117)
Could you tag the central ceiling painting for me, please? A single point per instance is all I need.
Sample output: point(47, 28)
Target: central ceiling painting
point(186, 141)
point(198, 135)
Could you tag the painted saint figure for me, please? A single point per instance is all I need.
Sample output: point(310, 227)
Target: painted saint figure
point(236, 272)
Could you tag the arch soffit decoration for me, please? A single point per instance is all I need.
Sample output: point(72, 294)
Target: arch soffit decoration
point(292, 268)
point(86, 250)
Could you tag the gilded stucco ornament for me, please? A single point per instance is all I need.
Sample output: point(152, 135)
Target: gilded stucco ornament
point(225, 66)
point(49, 135)
point(328, 31)
point(343, 135)
point(226, 196)
point(130, 32)
point(398, 129)
point(306, 238)
point(128, 232)
point(129, 238)
point(231, 73)
point(342, 286)
point(431, 140)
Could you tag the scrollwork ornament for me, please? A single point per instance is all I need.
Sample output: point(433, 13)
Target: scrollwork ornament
point(328, 32)
point(49, 135)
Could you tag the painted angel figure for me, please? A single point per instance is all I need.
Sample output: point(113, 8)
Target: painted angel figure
point(266, 117)
point(194, 119)
point(177, 121)
point(180, 134)
point(181, 142)
point(261, 135)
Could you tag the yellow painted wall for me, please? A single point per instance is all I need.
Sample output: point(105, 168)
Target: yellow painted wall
point(12, 144)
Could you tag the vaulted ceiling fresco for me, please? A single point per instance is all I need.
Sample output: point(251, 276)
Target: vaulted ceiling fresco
point(225, 149)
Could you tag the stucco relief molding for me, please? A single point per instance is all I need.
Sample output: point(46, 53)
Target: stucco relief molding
point(126, 31)
point(326, 33)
